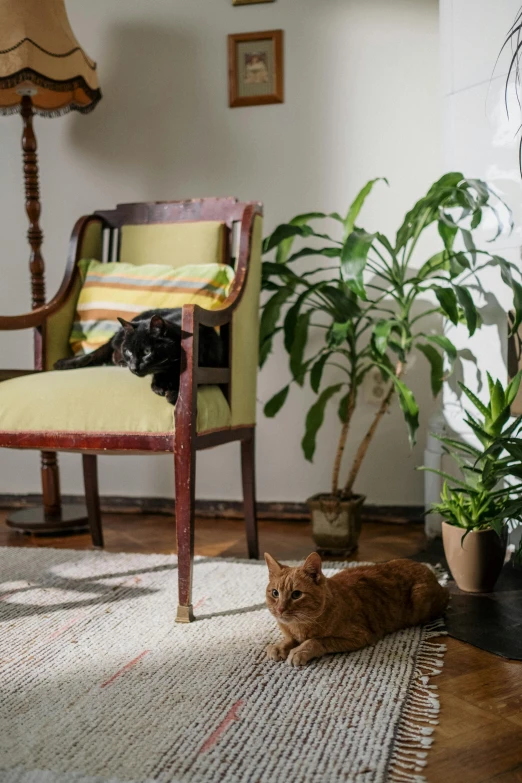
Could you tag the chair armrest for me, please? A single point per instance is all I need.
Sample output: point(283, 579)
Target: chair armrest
point(218, 317)
point(223, 315)
point(38, 316)
point(26, 320)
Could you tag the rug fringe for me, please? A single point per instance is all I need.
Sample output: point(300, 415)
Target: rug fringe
point(421, 711)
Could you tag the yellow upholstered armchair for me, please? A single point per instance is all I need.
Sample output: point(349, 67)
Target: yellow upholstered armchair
point(103, 410)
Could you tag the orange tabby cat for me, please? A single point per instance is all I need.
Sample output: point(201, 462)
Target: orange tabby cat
point(352, 609)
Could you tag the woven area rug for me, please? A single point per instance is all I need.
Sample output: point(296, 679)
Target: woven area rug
point(98, 684)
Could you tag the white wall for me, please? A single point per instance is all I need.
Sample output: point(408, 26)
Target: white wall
point(482, 141)
point(362, 100)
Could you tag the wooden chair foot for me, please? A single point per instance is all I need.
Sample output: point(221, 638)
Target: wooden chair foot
point(185, 614)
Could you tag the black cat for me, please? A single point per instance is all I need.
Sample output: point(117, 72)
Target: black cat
point(150, 344)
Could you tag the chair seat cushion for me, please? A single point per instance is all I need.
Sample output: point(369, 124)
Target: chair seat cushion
point(98, 399)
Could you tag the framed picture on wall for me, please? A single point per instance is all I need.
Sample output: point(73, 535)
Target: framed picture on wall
point(250, 2)
point(255, 68)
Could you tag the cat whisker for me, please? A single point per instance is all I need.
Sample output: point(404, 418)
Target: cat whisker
point(167, 361)
point(157, 367)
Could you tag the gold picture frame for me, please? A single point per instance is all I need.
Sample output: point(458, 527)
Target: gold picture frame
point(250, 2)
point(255, 68)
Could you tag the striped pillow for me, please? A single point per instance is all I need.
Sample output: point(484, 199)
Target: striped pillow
point(125, 290)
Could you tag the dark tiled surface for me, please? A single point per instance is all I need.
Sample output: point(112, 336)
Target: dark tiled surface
point(490, 621)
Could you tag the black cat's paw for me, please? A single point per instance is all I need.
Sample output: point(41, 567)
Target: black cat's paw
point(172, 396)
point(64, 364)
point(158, 389)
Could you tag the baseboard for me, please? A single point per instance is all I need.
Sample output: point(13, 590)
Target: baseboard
point(220, 509)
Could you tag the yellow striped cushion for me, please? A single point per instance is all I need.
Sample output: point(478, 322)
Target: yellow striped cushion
point(125, 290)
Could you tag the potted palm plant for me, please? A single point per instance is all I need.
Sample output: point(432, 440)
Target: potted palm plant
point(478, 506)
point(364, 295)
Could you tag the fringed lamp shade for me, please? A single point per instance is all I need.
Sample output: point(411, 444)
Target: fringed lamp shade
point(40, 57)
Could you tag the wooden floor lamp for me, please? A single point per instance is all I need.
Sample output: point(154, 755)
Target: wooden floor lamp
point(43, 70)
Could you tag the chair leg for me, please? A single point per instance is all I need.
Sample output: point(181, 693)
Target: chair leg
point(92, 498)
point(248, 473)
point(185, 481)
point(50, 484)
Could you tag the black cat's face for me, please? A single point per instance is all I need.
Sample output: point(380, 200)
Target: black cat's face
point(149, 347)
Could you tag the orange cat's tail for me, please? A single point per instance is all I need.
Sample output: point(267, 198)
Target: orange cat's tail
point(439, 595)
point(429, 598)
point(441, 601)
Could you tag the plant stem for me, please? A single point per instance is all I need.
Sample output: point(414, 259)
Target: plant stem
point(382, 258)
point(474, 272)
point(377, 287)
point(350, 406)
point(424, 314)
point(364, 444)
point(339, 366)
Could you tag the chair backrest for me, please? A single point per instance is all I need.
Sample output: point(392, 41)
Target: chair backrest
point(201, 231)
point(174, 244)
point(174, 233)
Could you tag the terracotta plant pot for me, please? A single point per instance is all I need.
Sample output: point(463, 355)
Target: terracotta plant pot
point(336, 523)
point(476, 562)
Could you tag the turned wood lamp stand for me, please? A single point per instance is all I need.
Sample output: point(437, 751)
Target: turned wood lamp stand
point(43, 70)
point(52, 516)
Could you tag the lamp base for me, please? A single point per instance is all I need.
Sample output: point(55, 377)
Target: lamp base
point(71, 519)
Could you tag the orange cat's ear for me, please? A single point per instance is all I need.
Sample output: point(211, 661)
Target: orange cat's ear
point(274, 568)
point(312, 566)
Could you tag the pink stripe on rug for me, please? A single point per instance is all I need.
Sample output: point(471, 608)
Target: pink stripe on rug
point(125, 668)
point(66, 627)
point(200, 602)
point(227, 720)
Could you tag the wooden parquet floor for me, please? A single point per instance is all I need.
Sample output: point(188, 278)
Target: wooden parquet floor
point(479, 739)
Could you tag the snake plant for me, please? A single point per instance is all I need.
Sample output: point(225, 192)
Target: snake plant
point(488, 493)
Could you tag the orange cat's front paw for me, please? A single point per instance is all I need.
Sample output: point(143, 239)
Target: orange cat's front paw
point(277, 652)
point(299, 657)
